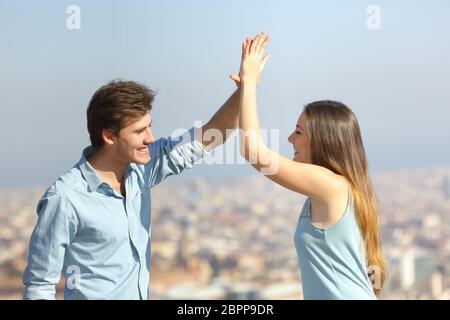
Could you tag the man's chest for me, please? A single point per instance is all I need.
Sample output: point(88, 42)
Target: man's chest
point(106, 217)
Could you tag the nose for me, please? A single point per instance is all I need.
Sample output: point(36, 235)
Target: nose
point(149, 138)
point(290, 138)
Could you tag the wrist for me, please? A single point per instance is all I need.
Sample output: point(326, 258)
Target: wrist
point(248, 81)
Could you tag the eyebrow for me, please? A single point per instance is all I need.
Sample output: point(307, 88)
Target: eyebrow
point(143, 128)
point(299, 127)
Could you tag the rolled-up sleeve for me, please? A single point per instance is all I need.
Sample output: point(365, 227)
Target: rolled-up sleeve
point(170, 156)
point(49, 240)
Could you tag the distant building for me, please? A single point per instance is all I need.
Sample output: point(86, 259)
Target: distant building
point(416, 267)
point(181, 257)
point(446, 186)
point(437, 286)
point(407, 270)
point(243, 291)
point(282, 291)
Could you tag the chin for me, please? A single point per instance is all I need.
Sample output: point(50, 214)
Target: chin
point(299, 160)
point(142, 160)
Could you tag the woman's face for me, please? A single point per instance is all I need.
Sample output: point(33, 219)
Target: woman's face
point(300, 141)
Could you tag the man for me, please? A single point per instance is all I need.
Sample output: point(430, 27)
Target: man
point(94, 221)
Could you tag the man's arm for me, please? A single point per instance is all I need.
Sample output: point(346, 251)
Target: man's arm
point(171, 156)
point(222, 123)
point(48, 242)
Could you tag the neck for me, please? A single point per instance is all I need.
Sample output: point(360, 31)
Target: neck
point(107, 166)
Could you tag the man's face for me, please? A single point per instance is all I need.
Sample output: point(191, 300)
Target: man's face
point(134, 139)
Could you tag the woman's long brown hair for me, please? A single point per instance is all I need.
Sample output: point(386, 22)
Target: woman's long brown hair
point(336, 144)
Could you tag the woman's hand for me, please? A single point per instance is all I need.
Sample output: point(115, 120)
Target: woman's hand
point(253, 59)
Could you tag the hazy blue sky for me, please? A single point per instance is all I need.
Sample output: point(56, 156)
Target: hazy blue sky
point(396, 79)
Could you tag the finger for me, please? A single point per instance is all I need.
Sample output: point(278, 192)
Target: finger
point(258, 47)
point(259, 43)
point(264, 61)
point(266, 42)
point(247, 45)
point(235, 77)
point(254, 43)
point(244, 46)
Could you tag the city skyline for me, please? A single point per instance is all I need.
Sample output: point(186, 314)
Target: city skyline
point(235, 238)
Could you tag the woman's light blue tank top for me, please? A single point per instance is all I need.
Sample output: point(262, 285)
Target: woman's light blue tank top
point(332, 260)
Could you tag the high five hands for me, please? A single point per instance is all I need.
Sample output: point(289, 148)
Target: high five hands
point(252, 60)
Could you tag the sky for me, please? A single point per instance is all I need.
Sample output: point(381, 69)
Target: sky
point(395, 78)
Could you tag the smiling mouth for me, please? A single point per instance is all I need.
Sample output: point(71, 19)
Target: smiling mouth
point(143, 150)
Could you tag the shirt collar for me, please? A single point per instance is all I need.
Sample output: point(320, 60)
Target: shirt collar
point(88, 171)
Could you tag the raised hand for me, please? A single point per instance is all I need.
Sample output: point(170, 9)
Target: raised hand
point(253, 59)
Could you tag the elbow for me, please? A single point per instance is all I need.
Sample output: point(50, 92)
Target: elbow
point(250, 152)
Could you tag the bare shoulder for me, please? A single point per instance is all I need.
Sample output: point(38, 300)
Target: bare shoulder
point(336, 187)
point(339, 190)
point(327, 212)
point(341, 184)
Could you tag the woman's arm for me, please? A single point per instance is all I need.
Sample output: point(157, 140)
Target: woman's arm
point(311, 180)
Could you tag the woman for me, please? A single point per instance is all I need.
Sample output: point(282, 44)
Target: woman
point(337, 237)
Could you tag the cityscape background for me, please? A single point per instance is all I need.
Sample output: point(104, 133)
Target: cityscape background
point(233, 238)
point(229, 233)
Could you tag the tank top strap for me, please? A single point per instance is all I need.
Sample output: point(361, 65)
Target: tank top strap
point(349, 195)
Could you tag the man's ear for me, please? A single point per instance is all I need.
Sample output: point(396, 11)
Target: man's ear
point(108, 136)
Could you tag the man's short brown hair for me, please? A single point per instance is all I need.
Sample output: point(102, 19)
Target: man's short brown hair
point(114, 105)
